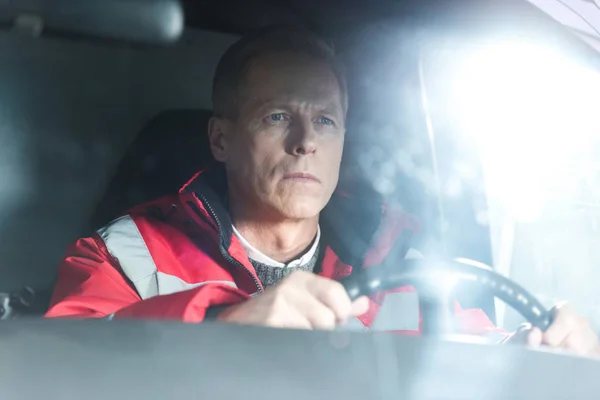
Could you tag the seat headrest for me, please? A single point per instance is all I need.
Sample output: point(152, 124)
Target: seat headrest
point(164, 155)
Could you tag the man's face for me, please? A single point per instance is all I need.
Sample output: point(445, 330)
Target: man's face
point(283, 152)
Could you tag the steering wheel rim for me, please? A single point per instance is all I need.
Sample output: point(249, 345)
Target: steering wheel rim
point(369, 281)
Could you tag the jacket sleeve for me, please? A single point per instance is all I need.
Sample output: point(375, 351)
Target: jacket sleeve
point(90, 285)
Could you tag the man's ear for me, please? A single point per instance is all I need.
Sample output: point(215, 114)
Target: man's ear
point(218, 132)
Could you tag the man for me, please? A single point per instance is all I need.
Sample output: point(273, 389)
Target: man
point(262, 241)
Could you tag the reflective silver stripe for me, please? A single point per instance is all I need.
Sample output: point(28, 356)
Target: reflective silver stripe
point(126, 244)
point(353, 324)
point(413, 254)
point(399, 312)
point(168, 284)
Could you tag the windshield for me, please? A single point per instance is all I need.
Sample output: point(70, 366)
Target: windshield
point(582, 17)
point(523, 117)
point(480, 121)
point(501, 161)
point(383, 190)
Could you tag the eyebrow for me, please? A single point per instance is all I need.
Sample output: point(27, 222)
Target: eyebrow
point(327, 108)
point(338, 111)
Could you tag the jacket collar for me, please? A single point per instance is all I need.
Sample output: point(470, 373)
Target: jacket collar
point(348, 225)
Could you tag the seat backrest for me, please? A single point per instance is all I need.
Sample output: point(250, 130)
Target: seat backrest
point(164, 155)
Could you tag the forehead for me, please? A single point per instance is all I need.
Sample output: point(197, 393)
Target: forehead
point(291, 79)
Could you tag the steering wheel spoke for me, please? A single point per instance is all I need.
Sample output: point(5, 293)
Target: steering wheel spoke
point(435, 280)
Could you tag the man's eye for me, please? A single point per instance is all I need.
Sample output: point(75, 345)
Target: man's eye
point(324, 121)
point(276, 117)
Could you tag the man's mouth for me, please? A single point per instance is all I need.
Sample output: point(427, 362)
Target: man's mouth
point(301, 177)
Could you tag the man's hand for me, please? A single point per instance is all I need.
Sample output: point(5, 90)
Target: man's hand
point(568, 331)
point(303, 300)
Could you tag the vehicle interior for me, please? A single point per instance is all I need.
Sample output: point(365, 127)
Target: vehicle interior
point(105, 105)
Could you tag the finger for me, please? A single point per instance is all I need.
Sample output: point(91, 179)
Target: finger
point(333, 295)
point(570, 331)
point(293, 319)
point(592, 342)
point(360, 306)
point(575, 343)
point(581, 341)
point(316, 313)
point(563, 321)
point(534, 337)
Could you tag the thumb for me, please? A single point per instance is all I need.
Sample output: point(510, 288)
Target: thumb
point(534, 338)
point(521, 336)
point(360, 306)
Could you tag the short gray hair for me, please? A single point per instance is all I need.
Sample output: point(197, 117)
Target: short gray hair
point(235, 63)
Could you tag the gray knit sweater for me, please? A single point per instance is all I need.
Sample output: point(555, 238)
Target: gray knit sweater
point(270, 275)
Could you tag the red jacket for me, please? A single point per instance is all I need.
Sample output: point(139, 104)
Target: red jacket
point(176, 257)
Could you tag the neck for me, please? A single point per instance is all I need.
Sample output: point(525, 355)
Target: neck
point(282, 240)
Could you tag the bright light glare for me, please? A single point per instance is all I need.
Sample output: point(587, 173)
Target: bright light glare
point(535, 115)
point(442, 282)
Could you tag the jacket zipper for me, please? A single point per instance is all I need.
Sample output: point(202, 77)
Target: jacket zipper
point(224, 252)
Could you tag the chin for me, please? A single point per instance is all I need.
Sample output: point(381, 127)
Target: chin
point(302, 209)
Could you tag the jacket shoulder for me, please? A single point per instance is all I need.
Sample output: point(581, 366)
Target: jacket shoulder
point(155, 208)
point(162, 216)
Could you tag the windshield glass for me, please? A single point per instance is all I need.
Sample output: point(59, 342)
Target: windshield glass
point(522, 115)
point(479, 120)
point(358, 186)
point(488, 131)
point(583, 17)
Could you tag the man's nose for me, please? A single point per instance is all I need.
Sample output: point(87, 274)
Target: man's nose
point(303, 139)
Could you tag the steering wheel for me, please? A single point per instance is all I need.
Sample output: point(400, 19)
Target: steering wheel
point(434, 281)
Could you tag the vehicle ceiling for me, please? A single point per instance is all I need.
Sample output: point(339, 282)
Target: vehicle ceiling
point(329, 17)
point(324, 16)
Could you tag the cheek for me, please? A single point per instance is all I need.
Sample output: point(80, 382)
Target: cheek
point(334, 155)
point(241, 158)
point(258, 156)
point(332, 158)
point(265, 153)
point(244, 148)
